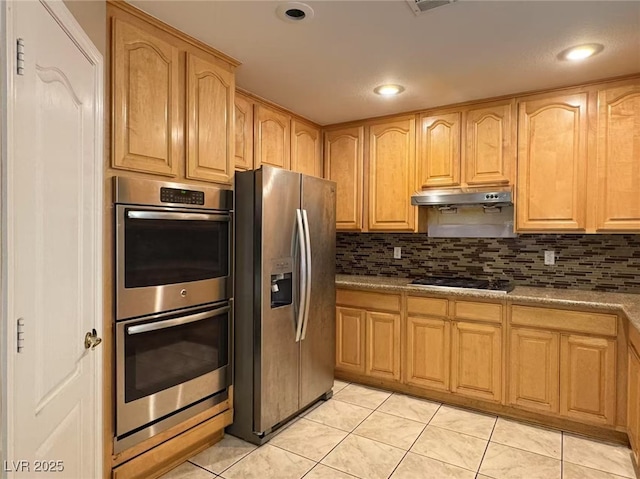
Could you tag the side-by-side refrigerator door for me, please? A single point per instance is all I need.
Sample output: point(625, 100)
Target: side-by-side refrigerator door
point(317, 346)
point(276, 373)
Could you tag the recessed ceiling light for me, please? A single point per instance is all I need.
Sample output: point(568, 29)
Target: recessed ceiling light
point(388, 90)
point(294, 12)
point(580, 52)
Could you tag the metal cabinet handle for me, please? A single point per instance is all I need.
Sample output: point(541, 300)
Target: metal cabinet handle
point(91, 340)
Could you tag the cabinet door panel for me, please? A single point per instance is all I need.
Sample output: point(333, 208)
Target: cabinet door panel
point(588, 378)
point(490, 149)
point(476, 360)
point(633, 402)
point(146, 110)
point(272, 137)
point(243, 150)
point(440, 150)
point(350, 326)
point(344, 158)
point(210, 104)
point(428, 352)
point(383, 345)
point(534, 372)
point(392, 175)
point(618, 163)
point(552, 158)
point(305, 149)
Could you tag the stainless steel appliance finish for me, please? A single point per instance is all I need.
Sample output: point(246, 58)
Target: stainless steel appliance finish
point(459, 197)
point(170, 361)
point(173, 246)
point(285, 298)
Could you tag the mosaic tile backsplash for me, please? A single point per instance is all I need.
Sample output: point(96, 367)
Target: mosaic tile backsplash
point(590, 262)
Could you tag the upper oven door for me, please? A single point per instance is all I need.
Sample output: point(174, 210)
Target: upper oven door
point(169, 258)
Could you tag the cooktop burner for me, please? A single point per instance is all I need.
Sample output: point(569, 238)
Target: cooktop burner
point(499, 285)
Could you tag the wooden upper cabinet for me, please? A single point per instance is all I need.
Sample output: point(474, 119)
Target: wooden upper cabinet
point(552, 160)
point(489, 155)
point(439, 156)
point(383, 345)
point(392, 175)
point(343, 153)
point(272, 137)
point(588, 378)
point(210, 132)
point(243, 133)
point(306, 156)
point(534, 369)
point(476, 360)
point(146, 106)
point(618, 159)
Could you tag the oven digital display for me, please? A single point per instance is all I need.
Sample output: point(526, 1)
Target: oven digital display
point(174, 195)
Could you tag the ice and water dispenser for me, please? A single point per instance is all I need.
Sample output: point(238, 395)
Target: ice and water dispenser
point(281, 282)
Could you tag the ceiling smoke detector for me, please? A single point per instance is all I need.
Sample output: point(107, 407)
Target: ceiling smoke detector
point(294, 12)
point(420, 6)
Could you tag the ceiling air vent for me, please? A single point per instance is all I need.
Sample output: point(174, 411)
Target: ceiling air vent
point(419, 6)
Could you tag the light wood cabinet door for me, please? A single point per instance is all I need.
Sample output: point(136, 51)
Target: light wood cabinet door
point(392, 175)
point(210, 131)
point(439, 156)
point(146, 110)
point(490, 154)
point(618, 159)
point(588, 378)
point(306, 156)
point(383, 345)
point(633, 402)
point(350, 328)
point(272, 138)
point(534, 372)
point(243, 150)
point(552, 159)
point(428, 352)
point(343, 163)
point(476, 360)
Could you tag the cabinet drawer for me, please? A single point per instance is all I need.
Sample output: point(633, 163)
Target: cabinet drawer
point(490, 312)
point(368, 300)
point(578, 321)
point(427, 306)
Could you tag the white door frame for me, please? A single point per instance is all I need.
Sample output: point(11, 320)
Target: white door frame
point(7, 324)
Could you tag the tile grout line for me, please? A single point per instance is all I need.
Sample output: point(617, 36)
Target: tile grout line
point(487, 447)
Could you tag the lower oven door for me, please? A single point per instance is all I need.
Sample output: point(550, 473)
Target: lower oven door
point(167, 362)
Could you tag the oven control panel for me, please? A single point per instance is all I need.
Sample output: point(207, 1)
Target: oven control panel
point(174, 195)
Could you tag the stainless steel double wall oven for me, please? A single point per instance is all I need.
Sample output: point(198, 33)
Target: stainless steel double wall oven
point(173, 296)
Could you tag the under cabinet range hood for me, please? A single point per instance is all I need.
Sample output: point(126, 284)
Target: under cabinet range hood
point(459, 197)
point(458, 213)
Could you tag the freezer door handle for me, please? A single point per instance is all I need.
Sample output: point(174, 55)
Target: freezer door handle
point(303, 274)
point(307, 237)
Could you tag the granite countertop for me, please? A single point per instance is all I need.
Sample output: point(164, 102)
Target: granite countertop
point(628, 304)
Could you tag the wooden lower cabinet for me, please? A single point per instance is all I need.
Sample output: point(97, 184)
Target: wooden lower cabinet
point(633, 403)
point(534, 369)
point(428, 352)
point(383, 345)
point(476, 360)
point(588, 378)
point(350, 325)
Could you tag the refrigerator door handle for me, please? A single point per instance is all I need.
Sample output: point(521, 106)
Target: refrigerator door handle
point(307, 237)
point(303, 274)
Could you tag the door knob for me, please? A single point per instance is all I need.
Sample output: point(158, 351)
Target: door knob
point(91, 340)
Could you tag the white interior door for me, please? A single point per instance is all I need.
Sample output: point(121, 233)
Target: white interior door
point(52, 236)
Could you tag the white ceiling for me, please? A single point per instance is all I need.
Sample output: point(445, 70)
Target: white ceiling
point(325, 69)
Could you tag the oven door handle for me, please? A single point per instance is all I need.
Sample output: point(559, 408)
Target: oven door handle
point(169, 215)
point(170, 323)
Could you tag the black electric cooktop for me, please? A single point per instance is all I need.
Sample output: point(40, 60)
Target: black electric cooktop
point(500, 285)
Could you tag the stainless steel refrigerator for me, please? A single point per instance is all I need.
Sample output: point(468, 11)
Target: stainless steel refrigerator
point(284, 327)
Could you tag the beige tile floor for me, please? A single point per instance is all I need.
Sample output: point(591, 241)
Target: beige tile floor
point(371, 434)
